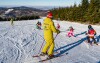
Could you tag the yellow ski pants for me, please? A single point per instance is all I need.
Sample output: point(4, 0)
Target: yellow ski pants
point(49, 47)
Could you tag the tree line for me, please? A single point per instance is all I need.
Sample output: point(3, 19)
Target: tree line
point(88, 11)
point(20, 18)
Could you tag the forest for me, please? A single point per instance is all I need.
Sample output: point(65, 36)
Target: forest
point(88, 11)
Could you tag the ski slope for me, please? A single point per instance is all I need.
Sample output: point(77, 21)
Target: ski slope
point(20, 42)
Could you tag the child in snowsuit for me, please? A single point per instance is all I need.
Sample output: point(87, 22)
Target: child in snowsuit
point(90, 34)
point(70, 33)
point(58, 26)
point(38, 25)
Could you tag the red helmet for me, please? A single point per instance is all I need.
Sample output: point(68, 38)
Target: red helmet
point(49, 15)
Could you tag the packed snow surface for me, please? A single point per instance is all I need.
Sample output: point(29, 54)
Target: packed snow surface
point(18, 43)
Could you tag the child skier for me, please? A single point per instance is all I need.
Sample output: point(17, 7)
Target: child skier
point(70, 33)
point(38, 25)
point(90, 34)
point(58, 26)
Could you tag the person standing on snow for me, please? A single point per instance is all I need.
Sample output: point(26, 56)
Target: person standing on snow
point(58, 26)
point(48, 29)
point(38, 25)
point(12, 23)
point(90, 34)
point(71, 31)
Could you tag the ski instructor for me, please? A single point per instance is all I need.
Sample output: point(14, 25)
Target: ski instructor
point(48, 29)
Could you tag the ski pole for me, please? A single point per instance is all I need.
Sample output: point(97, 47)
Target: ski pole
point(42, 43)
point(64, 31)
point(55, 38)
point(41, 47)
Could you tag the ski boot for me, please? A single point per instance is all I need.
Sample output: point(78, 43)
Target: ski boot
point(50, 56)
point(96, 43)
point(43, 54)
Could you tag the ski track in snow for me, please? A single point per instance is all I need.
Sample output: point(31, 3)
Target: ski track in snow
point(19, 42)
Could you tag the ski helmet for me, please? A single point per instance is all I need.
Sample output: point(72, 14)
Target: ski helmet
point(49, 15)
point(89, 26)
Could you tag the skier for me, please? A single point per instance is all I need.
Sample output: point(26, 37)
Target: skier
point(38, 25)
point(12, 23)
point(70, 33)
point(58, 26)
point(49, 28)
point(90, 34)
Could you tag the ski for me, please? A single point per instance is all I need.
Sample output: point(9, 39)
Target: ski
point(48, 59)
point(91, 44)
point(41, 55)
point(52, 58)
point(87, 44)
point(96, 44)
point(99, 44)
point(35, 56)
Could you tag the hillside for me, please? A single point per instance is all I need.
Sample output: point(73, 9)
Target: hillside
point(20, 42)
point(22, 11)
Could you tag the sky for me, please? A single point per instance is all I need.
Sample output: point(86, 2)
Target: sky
point(39, 2)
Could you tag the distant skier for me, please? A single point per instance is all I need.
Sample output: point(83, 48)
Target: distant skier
point(71, 31)
point(49, 28)
point(90, 34)
point(58, 26)
point(12, 23)
point(38, 25)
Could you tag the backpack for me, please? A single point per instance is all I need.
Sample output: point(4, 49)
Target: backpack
point(91, 32)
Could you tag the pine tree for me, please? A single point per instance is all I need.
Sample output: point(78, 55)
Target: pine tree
point(93, 13)
point(88, 12)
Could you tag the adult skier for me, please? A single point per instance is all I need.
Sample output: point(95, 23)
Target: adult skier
point(48, 29)
point(90, 34)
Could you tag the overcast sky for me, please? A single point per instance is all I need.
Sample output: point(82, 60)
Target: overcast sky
point(38, 2)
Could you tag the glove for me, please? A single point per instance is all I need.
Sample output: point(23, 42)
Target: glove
point(95, 33)
point(58, 31)
point(86, 33)
point(68, 29)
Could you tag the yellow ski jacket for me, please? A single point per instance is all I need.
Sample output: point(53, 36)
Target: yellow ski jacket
point(49, 28)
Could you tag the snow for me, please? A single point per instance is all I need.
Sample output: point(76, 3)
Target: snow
point(20, 42)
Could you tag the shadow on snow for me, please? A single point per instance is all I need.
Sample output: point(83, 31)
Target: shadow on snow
point(97, 38)
point(80, 33)
point(69, 46)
